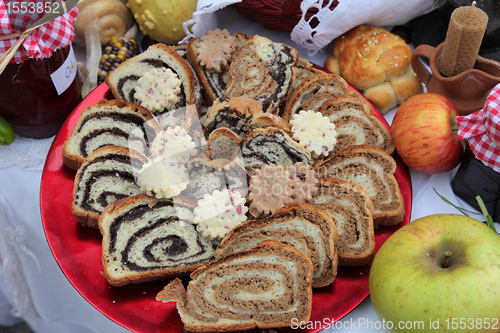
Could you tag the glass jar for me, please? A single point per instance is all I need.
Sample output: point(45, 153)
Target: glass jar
point(34, 98)
point(473, 178)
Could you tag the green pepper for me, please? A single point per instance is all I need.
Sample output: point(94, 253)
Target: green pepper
point(7, 134)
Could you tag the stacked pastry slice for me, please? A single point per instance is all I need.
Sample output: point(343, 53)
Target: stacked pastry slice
point(355, 123)
point(312, 92)
point(267, 286)
point(271, 146)
point(351, 208)
point(105, 176)
point(213, 80)
point(373, 169)
point(310, 230)
point(145, 239)
point(124, 79)
point(109, 122)
point(263, 70)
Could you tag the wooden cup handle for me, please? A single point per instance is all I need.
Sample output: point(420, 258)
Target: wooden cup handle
point(418, 67)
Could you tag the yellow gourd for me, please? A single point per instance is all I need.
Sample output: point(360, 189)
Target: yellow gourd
point(162, 19)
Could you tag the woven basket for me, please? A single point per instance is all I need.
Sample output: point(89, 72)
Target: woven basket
point(277, 14)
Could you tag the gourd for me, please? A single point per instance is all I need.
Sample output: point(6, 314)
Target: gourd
point(162, 20)
point(114, 18)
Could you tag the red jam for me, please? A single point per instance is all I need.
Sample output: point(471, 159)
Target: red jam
point(29, 100)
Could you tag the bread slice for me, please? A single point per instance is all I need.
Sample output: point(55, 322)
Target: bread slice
point(351, 208)
point(106, 175)
point(109, 122)
point(206, 175)
point(312, 92)
point(356, 124)
point(271, 146)
point(309, 229)
point(213, 83)
point(267, 286)
point(263, 70)
point(123, 80)
point(373, 169)
point(146, 239)
point(224, 143)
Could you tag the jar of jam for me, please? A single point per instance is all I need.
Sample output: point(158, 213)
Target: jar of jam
point(40, 85)
point(34, 99)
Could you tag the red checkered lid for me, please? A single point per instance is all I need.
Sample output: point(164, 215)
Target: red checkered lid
point(43, 41)
point(482, 130)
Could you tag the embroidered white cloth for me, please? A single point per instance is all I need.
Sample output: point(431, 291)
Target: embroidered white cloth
point(332, 22)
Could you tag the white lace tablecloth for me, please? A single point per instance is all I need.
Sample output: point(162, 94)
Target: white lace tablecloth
point(33, 288)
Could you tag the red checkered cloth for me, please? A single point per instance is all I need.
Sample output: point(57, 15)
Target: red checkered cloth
point(43, 41)
point(482, 130)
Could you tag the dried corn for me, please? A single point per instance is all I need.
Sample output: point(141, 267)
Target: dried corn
point(115, 52)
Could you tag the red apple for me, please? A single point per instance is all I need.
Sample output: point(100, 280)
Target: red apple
point(425, 133)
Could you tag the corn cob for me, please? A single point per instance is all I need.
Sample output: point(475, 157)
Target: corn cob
point(115, 52)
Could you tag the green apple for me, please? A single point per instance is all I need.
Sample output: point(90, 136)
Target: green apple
point(413, 287)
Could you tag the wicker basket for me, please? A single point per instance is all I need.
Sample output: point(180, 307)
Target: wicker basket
point(277, 14)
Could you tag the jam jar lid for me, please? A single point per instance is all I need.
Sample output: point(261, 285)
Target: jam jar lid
point(482, 130)
point(43, 41)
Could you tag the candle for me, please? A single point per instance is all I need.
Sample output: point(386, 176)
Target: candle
point(463, 39)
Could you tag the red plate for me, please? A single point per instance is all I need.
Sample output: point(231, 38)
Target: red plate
point(78, 252)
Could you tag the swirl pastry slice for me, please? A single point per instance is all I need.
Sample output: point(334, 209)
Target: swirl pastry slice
point(267, 286)
point(206, 176)
point(351, 208)
point(123, 80)
point(309, 229)
point(145, 239)
point(356, 124)
point(271, 146)
point(263, 70)
point(109, 122)
point(373, 169)
point(312, 92)
point(235, 113)
point(105, 176)
point(213, 82)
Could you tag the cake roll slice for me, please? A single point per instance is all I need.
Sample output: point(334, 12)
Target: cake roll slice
point(106, 175)
point(124, 80)
point(356, 124)
point(236, 113)
point(312, 92)
point(109, 122)
point(213, 80)
point(373, 169)
point(309, 229)
point(263, 70)
point(271, 146)
point(351, 208)
point(267, 286)
point(146, 239)
point(207, 175)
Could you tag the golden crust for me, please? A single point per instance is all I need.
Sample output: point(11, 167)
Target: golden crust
point(369, 56)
